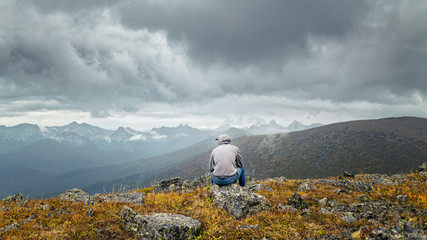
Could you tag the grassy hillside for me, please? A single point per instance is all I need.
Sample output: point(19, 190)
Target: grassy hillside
point(392, 145)
point(58, 219)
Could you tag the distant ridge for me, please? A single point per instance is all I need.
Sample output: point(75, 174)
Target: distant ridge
point(386, 146)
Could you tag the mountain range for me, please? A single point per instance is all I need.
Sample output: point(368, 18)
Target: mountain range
point(384, 146)
point(48, 160)
point(36, 160)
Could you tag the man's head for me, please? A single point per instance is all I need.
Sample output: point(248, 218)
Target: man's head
point(223, 139)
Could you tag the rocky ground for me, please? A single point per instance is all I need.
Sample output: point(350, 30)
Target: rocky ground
point(369, 206)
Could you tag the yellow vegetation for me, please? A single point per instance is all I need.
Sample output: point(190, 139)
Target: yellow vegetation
point(67, 220)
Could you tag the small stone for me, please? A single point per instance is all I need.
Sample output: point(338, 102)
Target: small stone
point(249, 227)
point(401, 198)
point(297, 201)
point(90, 212)
point(363, 198)
point(10, 227)
point(306, 212)
point(347, 174)
point(288, 208)
point(348, 217)
point(45, 206)
point(305, 187)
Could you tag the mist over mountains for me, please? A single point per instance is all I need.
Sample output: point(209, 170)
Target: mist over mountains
point(38, 160)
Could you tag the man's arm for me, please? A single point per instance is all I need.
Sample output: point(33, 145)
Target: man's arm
point(239, 159)
point(211, 163)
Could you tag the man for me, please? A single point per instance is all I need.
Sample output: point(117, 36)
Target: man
point(226, 163)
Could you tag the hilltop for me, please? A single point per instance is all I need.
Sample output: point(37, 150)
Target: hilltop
point(365, 206)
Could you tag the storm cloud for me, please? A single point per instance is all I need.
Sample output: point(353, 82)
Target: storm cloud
point(185, 60)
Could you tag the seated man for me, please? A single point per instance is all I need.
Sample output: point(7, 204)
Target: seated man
point(226, 164)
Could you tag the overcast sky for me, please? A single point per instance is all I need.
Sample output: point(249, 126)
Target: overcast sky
point(148, 63)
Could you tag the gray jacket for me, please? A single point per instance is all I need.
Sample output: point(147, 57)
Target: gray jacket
point(225, 159)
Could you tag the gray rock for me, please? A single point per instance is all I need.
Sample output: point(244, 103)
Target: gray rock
point(305, 187)
point(363, 198)
point(45, 206)
point(202, 181)
point(249, 227)
point(306, 212)
point(342, 191)
point(159, 225)
point(348, 217)
point(423, 167)
point(239, 202)
point(90, 212)
point(14, 198)
point(401, 198)
point(29, 219)
point(287, 208)
point(168, 185)
point(403, 230)
point(297, 201)
point(10, 227)
point(328, 203)
point(74, 195)
point(347, 174)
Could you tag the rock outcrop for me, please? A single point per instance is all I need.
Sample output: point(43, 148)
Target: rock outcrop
point(239, 202)
point(159, 225)
point(175, 184)
point(78, 195)
point(74, 195)
point(348, 184)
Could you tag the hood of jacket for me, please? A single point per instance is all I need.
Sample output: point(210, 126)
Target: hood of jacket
point(223, 139)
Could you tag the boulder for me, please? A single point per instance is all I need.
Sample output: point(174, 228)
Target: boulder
point(305, 186)
point(239, 202)
point(159, 225)
point(423, 167)
point(347, 174)
point(168, 185)
point(14, 198)
point(74, 195)
point(297, 201)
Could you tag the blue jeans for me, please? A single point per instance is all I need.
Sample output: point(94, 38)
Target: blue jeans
point(240, 175)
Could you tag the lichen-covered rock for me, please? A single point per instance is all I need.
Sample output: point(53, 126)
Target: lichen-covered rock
point(202, 181)
point(423, 167)
point(403, 230)
point(168, 185)
point(305, 186)
point(297, 201)
point(14, 198)
point(10, 227)
point(239, 202)
point(159, 225)
point(363, 198)
point(287, 208)
point(74, 195)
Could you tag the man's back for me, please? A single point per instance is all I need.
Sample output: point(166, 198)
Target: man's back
point(224, 160)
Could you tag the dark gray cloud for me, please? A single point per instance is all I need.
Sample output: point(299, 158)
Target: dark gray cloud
point(105, 57)
point(243, 32)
